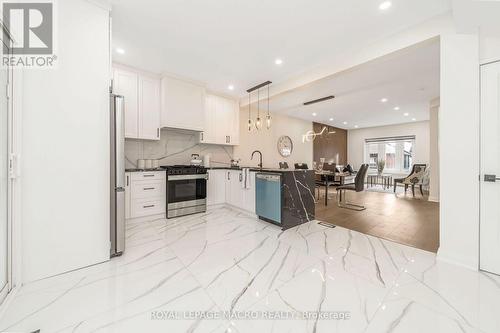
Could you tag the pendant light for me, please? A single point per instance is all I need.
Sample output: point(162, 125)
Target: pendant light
point(258, 122)
point(250, 122)
point(268, 117)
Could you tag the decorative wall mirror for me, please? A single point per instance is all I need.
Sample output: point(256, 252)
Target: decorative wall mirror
point(285, 146)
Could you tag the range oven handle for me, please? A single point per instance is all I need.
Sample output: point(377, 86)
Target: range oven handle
point(187, 177)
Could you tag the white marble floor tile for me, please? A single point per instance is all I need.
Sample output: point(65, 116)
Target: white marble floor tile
point(226, 260)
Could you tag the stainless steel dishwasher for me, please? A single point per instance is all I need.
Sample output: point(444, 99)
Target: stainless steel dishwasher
point(268, 197)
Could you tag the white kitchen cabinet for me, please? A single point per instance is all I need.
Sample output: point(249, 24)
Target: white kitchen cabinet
point(225, 186)
point(142, 103)
point(221, 121)
point(127, 195)
point(125, 83)
point(146, 194)
point(249, 195)
point(216, 187)
point(182, 104)
point(149, 108)
point(235, 195)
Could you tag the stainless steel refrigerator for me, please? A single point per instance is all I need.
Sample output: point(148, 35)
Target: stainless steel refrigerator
point(117, 190)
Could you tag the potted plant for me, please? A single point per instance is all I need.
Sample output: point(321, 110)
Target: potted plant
point(380, 167)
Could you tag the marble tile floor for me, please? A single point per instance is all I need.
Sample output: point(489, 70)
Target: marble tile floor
point(225, 260)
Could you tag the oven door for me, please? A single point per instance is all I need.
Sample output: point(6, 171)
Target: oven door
point(186, 190)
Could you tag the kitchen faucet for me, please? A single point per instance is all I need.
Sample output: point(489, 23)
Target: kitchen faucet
point(260, 154)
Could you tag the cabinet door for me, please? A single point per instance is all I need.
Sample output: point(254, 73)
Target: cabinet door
point(182, 104)
point(221, 121)
point(237, 192)
point(235, 128)
point(216, 187)
point(149, 108)
point(209, 135)
point(249, 203)
point(127, 195)
point(125, 83)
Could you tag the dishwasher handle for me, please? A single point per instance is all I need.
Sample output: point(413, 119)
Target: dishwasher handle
point(268, 177)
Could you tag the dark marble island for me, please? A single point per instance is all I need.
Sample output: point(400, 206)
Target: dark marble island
point(296, 196)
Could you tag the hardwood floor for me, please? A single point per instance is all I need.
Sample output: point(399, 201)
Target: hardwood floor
point(396, 217)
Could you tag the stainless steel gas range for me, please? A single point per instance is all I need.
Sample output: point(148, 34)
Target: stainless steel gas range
point(186, 190)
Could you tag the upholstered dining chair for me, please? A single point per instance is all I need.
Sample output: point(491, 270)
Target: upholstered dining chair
point(358, 186)
point(283, 165)
point(416, 177)
point(301, 166)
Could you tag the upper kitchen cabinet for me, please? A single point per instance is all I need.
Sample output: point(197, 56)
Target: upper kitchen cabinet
point(221, 121)
point(142, 103)
point(182, 104)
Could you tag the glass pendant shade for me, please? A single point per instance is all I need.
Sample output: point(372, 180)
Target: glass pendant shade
point(268, 121)
point(258, 123)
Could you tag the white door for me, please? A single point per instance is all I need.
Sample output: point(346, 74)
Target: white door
point(490, 169)
point(125, 84)
point(5, 145)
point(149, 108)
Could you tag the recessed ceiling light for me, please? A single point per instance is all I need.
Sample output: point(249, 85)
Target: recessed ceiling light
point(413, 119)
point(384, 100)
point(278, 61)
point(314, 114)
point(406, 114)
point(331, 119)
point(230, 87)
point(396, 108)
point(345, 123)
point(385, 5)
point(356, 126)
point(120, 51)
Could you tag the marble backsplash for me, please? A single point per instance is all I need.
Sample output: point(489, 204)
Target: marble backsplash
point(175, 147)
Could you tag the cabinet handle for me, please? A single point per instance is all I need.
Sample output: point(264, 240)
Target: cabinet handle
point(229, 139)
point(201, 136)
point(148, 188)
point(148, 175)
point(157, 132)
point(148, 206)
point(228, 175)
point(127, 180)
point(241, 177)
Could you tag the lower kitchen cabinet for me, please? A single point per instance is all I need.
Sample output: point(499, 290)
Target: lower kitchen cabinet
point(145, 194)
point(226, 186)
point(216, 187)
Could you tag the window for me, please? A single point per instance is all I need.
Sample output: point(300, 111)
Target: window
point(396, 152)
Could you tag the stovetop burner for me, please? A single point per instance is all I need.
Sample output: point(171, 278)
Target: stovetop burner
point(184, 169)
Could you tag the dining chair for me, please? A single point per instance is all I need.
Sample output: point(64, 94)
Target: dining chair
point(358, 186)
point(283, 165)
point(301, 166)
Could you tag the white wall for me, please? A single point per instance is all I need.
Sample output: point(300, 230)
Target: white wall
point(65, 148)
point(434, 150)
point(356, 140)
point(459, 150)
point(266, 141)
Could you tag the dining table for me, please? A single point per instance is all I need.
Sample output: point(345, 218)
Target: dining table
point(328, 178)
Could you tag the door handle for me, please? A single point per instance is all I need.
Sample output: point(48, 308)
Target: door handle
point(491, 178)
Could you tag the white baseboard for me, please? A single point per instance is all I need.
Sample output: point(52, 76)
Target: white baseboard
point(6, 302)
point(433, 199)
point(443, 257)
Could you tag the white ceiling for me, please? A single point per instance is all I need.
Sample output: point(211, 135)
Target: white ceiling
point(236, 42)
point(408, 79)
